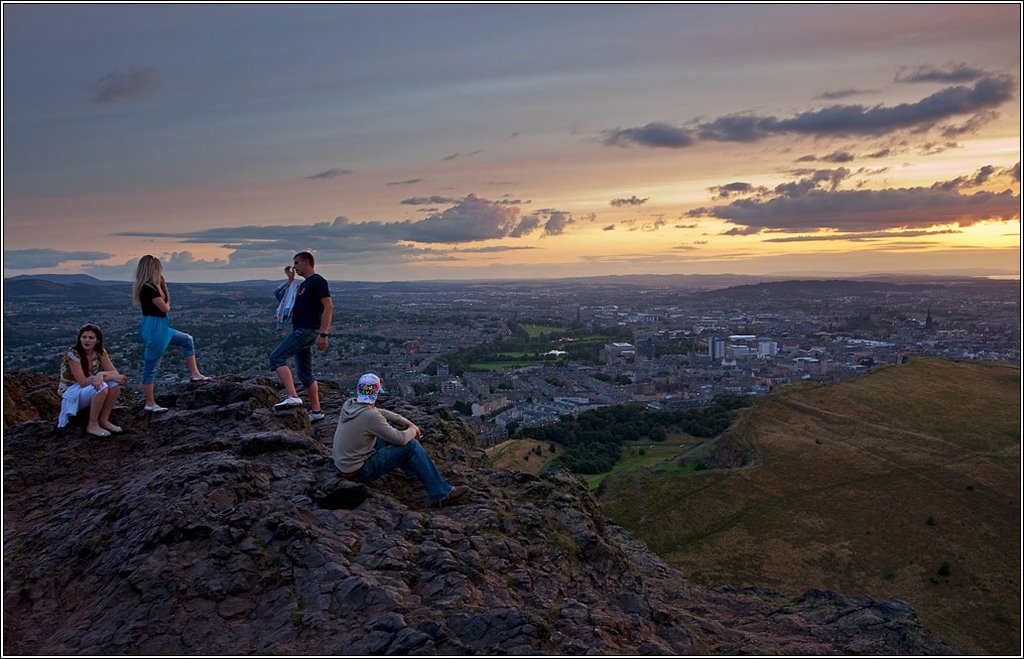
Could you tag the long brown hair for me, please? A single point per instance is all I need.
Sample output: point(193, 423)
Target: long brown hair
point(146, 272)
point(80, 349)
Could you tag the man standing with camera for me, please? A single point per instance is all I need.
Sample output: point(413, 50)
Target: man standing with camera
point(311, 323)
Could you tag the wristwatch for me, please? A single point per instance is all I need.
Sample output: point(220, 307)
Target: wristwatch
point(324, 335)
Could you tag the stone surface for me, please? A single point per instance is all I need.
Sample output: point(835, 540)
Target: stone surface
point(223, 528)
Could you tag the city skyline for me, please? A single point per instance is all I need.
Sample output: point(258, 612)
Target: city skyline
point(404, 142)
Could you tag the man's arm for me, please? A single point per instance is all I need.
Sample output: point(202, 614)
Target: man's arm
point(381, 428)
point(279, 291)
point(398, 418)
point(325, 322)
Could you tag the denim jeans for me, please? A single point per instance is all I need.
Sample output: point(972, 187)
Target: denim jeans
point(412, 457)
point(298, 343)
point(188, 348)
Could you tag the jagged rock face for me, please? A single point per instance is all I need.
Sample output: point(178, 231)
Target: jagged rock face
point(28, 396)
point(221, 527)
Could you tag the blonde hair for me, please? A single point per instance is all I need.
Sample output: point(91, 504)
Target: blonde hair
point(147, 272)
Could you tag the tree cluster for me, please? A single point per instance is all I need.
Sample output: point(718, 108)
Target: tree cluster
point(593, 440)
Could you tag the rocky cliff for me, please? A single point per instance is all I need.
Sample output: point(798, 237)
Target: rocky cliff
point(221, 527)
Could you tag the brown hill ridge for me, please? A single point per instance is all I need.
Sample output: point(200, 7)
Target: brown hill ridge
point(216, 529)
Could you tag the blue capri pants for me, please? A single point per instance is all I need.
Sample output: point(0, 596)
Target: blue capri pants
point(188, 349)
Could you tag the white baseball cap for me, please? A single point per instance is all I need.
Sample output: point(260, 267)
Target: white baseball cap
point(368, 389)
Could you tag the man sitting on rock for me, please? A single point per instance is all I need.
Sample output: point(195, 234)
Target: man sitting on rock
point(366, 446)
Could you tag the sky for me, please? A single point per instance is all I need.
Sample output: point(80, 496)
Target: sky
point(471, 141)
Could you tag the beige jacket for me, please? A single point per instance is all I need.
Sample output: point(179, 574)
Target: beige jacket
point(359, 426)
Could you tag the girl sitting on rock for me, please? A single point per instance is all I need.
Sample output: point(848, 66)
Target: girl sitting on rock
point(89, 379)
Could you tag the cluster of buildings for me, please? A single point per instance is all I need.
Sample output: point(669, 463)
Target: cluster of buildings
point(687, 345)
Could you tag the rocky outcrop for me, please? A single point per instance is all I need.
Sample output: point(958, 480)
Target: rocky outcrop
point(727, 454)
point(29, 396)
point(221, 527)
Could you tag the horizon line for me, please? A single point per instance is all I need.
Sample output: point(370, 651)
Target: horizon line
point(1006, 276)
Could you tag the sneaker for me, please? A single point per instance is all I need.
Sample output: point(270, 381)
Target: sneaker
point(290, 401)
point(457, 492)
point(155, 409)
point(315, 416)
point(199, 378)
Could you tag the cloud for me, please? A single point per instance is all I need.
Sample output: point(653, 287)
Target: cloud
point(932, 148)
point(525, 227)
point(405, 182)
point(455, 155)
point(864, 210)
point(610, 227)
point(741, 231)
point(978, 178)
point(812, 181)
point(654, 134)
point(881, 153)
point(471, 219)
point(556, 223)
point(116, 86)
point(328, 174)
point(631, 201)
point(838, 156)
point(843, 93)
point(31, 259)
point(733, 189)
point(858, 120)
point(835, 156)
point(342, 241)
point(815, 202)
point(173, 262)
point(972, 125)
point(186, 261)
point(951, 73)
point(433, 199)
point(861, 236)
point(494, 248)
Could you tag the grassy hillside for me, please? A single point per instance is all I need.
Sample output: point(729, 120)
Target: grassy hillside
point(521, 454)
point(658, 456)
point(903, 484)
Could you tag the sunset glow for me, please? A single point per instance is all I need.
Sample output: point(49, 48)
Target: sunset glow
point(512, 141)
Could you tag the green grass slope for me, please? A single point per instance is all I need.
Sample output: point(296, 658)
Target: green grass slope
point(903, 484)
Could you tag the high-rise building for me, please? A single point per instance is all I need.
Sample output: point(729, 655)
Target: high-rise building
point(767, 348)
point(645, 347)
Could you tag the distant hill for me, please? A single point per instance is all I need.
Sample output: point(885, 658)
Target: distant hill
point(902, 484)
point(65, 279)
point(812, 289)
point(98, 294)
